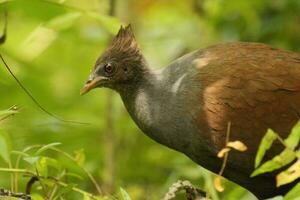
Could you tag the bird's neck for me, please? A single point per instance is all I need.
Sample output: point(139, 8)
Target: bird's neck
point(142, 102)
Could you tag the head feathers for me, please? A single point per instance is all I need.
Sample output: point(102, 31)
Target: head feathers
point(124, 48)
point(124, 39)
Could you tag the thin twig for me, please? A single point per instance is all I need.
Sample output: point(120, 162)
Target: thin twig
point(34, 100)
point(226, 154)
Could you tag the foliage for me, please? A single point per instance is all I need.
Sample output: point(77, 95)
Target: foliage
point(51, 46)
point(281, 161)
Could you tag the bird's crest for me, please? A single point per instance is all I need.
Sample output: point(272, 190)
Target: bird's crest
point(124, 40)
point(124, 47)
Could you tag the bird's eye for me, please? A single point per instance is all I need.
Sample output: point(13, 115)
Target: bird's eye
point(109, 69)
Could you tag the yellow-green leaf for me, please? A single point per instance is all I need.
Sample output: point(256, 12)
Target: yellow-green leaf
point(45, 147)
point(218, 184)
point(265, 144)
point(237, 145)
point(293, 139)
point(223, 151)
point(124, 194)
point(289, 175)
point(284, 158)
point(293, 194)
point(79, 157)
point(5, 146)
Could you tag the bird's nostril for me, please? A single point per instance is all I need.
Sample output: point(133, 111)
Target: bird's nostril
point(88, 81)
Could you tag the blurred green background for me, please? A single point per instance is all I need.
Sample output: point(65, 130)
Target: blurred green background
point(52, 45)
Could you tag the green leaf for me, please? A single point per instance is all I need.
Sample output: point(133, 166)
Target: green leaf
point(293, 139)
point(36, 196)
point(20, 153)
point(289, 175)
point(64, 190)
point(124, 194)
point(265, 144)
point(112, 24)
point(5, 146)
point(284, 158)
point(31, 159)
point(48, 146)
point(69, 174)
point(7, 112)
point(63, 21)
point(293, 194)
point(43, 164)
point(80, 157)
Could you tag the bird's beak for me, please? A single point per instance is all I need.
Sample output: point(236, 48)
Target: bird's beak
point(91, 84)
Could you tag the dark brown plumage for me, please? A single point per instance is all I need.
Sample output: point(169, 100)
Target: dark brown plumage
point(187, 105)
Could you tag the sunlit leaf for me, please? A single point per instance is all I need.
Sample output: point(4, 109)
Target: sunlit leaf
point(284, 158)
point(294, 137)
point(124, 194)
point(265, 144)
point(289, 175)
point(31, 159)
point(218, 184)
point(7, 112)
point(37, 42)
point(44, 163)
point(74, 175)
point(63, 21)
point(48, 146)
point(223, 151)
point(20, 153)
point(237, 145)
point(79, 157)
point(64, 190)
point(111, 24)
point(37, 196)
point(293, 194)
point(5, 146)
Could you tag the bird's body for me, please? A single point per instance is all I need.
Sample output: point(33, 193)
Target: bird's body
point(187, 105)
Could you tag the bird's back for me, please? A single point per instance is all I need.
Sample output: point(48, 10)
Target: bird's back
point(253, 86)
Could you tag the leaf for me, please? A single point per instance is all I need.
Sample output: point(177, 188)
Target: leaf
point(284, 158)
point(222, 153)
point(289, 175)
point(293, 194)
point(112, 24)
point(218, 184)
point(7, 112)
point(63, 21)
point(48, 146)
point(237, 145)
point(80, 157)
point(43, 164)
point(5, 146)
point(69, 174)
point(36, 196)
point(20, 153)
point(293, 139)
point(124, 194)
point(64, 190)
point(265, 144)
point(31, 159)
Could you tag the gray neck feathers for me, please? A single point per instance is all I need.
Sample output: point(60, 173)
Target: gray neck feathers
point(156, 104)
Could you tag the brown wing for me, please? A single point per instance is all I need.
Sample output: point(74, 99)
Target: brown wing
point(253, 86)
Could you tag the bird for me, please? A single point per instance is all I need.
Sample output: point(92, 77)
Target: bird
point(188, 104)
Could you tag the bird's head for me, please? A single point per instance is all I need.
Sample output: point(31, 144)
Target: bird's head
point(120, 64)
